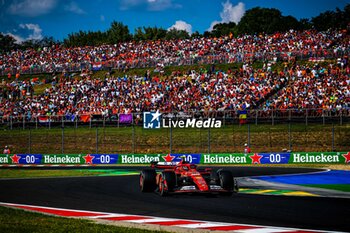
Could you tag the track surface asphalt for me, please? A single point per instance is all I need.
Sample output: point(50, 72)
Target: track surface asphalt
point(120, 194)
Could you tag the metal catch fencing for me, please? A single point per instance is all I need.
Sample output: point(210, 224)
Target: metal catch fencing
point(264, 131)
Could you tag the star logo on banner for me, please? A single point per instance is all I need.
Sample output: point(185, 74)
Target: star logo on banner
point(256, 158)
point(88, 158)
point(168, 158)
point(347, 157)
point(155, 115)
point(15, 158)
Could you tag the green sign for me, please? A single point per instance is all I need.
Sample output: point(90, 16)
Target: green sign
point(319, 157)
point(4, 159)
point(140, 158)
point(62, 159)
point(225, 159)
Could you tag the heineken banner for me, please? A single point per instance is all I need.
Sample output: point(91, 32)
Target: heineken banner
point(62, 159)
point(324, 157)
point(101, 159)
point(222, 159)
point(191, 158)
point(255, 158)
point(21, 159)
point(48, 159)
point(277, 158)
point(148, 158)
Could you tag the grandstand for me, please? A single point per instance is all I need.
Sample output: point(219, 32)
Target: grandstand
point(307, 44)
point(311, 85)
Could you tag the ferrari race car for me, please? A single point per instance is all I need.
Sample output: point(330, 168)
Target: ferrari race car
point(184, 177)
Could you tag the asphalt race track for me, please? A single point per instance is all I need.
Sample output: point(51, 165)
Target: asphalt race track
point(120, 194)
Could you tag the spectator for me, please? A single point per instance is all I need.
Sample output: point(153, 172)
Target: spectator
point(6, 150)
point(246, 149)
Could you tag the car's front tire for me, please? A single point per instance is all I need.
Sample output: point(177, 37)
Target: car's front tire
point(148, 181)
point(226, 182)
point(166, 183)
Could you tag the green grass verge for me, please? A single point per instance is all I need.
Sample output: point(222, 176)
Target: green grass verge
point(338, 187)
point(27, 173)
point(13, 220)
point(30, 173)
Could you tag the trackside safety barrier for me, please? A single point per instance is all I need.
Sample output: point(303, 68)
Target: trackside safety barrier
point(218, 159)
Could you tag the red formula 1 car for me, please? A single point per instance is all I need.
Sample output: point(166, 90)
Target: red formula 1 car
point(184, 177)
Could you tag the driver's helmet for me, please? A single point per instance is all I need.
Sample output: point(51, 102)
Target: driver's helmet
point(183, 159)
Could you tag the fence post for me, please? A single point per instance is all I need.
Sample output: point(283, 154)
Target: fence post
point(332, 136)
point(289, 115)
point(290, 136)
point(249, 135)
point(171, 138)
point(62, 145)
point(30, 140)
point(76, 121)
point(341, 117)
point(209, 140)
point(24, 122)
point(273, 120)
point(306, 120)
point(224, 117)
point(96, 139)
point(323, 118)
point(133, 134)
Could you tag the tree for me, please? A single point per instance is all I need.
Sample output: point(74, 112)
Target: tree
point(223, 29)
point(118, 32)
point(139, 34)
point(196, 34)
point(305, 24)
point(176, 34)
point(47, 42)
point(289, 22)
point(207, 34)
point(149, 33)
point(268, 20)
point(332, 19)
point(34, 44)
point(7, 42)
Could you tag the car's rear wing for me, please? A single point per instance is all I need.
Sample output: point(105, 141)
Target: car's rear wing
point(172, 165)
point(163, 165)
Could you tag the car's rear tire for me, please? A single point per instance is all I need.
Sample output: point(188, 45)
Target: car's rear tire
point(235, 186)
point(148, 180)
point(214, 178)
point(167, 182)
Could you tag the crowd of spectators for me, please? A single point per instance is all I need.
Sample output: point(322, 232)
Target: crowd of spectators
point(196, 91)
point(296, 87)
point(323, 88)
point(227, 49)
